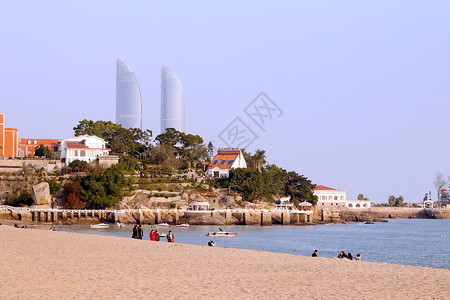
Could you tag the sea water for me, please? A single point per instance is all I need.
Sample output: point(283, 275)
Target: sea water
point(401, 241)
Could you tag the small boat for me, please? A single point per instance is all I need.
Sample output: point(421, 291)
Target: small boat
point(101, 225)
point(183, 225)
point(221, 233)
point(162, 224)
point(120, 225)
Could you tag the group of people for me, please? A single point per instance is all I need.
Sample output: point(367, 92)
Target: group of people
point(343, 255)
point(138, 233)
point(349, 256)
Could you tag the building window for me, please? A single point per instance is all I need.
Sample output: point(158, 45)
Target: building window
point(215, 162)
point(82, 152)
point(75, 152)
point(222, 162)
point(230, 162)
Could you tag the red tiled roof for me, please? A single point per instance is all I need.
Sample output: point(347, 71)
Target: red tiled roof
point(224, 156)
point(76, 145)
point(323, 188)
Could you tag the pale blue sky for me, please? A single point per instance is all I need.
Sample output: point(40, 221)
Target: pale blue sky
point(363, 84)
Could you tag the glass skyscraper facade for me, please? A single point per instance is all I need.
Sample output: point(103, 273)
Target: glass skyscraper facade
point(128, 97)
point(173, 103)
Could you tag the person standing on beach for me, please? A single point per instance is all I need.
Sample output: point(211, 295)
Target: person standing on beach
point(152, 235)
point(314, 253)
point(140, 232)
point(170, 237)
point(156, 236)
point(135, 232)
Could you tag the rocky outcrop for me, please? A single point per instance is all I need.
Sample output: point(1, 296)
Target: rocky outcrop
point(206, 221)
point(198, 198)
point(40, 193)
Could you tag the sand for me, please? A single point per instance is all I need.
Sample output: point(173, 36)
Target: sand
point(38, 264)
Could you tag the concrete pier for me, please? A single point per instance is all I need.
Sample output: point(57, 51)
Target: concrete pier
point(266, 218)
point(285, 218)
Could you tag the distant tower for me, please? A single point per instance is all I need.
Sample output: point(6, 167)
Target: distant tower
point(173, 103)
point(128, 97)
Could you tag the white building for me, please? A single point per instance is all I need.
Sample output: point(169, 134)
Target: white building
point(85, 148)
point(225, 160)
point(332, 198)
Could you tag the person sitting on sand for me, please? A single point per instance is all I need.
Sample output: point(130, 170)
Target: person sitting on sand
point(211, 244)
point(135, 230)
point(342, 255)
point(314, 253)
point(350, 256)
point(16, 226)
point(170, 237)
point(358, 256)
point(156, 236)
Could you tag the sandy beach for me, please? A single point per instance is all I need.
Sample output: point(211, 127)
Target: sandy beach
point(38, 264)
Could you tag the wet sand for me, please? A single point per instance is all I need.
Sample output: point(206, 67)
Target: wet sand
point(40, 264)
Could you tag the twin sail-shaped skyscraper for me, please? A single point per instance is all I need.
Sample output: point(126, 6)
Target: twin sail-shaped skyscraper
point(173, 102)
point(128, 97)
point(129, 100)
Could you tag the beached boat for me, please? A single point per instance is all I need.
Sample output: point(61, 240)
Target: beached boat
point(101, 225)
point(183, 225)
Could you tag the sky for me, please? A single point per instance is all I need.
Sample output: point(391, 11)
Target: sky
point(361, 86)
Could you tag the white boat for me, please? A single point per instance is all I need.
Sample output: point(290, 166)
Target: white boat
point(221, 233)
point(183, 225)
point(162, 224)
point(101, 225)
point(120, 225)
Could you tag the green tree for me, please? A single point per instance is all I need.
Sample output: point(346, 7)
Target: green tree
point(119, 139)
point(392, 200)
point(259, 159)
point(210, 151)
point(78, 164)
point(42, 151)
point(103, 188)
point(54, 185)
point(361, 197)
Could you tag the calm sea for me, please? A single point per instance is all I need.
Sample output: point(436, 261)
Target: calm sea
point(410, 242)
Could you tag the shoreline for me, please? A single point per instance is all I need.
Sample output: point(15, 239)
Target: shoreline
point(60, 264)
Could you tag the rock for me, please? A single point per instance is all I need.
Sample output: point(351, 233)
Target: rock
point(227, 201)
point(40, 193)
point(198, 198)
point(205, 221)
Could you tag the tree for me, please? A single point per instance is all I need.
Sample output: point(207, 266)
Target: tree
point(393, 201)
point(119, 139)
point(439, 184)
point(259, 159)
point(361, 197)
point(78, 164)
point(210, 151)
point(42, 151)
point(72, 195)
point(170, 137)
point(54, 185)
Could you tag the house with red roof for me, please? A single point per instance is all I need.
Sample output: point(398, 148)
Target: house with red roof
point(225, 160)
point(85, 148)
point(333, 198)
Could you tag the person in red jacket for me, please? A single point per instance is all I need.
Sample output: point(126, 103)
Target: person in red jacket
point(152, 236)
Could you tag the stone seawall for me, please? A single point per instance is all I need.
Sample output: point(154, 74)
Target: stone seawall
point(380, 213)
point(16, 165)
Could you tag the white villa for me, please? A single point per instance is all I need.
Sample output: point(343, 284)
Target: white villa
point(332, 198)
point(86, 148)
point(225, 160)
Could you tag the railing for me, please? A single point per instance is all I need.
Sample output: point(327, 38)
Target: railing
point(118, 211)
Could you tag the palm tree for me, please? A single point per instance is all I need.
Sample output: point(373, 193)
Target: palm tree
point(259, 159)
